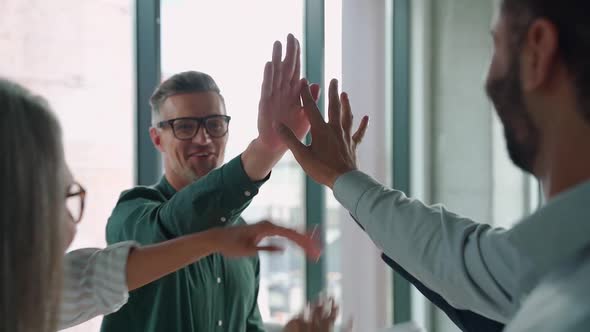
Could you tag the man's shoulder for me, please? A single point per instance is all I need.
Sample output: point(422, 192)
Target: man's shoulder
point(144, 193)
point(561, 301)
point(136, 202)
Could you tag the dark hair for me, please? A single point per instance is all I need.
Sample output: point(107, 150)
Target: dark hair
point(185, 82)
point(570, 18)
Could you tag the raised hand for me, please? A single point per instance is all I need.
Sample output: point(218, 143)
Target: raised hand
point(280, 100)
point(333, 149)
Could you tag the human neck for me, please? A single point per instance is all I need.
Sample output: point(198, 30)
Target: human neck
point(566, 157)
point(177, 182)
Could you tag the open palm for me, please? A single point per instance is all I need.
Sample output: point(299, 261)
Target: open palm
point(244, 240)
point(280, 100)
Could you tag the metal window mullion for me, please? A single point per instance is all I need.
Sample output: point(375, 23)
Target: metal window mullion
point(401, 135)
point(148, 165)
point(314, 193)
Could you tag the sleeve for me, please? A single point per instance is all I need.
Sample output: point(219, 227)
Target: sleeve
point(94, 283)
point(471, 265)
point(215, 200)
point(254, 322)
point(465, 320)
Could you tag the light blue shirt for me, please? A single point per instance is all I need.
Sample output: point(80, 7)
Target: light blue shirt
point(561, 302)
point(473, 266)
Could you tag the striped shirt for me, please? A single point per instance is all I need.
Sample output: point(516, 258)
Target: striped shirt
point(94, 283)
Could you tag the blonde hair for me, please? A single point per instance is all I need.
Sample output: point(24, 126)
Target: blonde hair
point(32, 211)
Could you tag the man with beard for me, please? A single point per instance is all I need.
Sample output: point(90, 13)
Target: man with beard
point(531, 277)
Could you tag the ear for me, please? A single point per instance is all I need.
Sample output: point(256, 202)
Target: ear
point(539, 54)
point(156, 139)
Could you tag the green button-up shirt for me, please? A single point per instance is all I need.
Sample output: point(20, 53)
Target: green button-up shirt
point(213, 294)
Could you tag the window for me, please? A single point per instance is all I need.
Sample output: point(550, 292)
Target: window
point(66, 52)
point(231, 41)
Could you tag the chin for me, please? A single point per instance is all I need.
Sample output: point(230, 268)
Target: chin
point(202, 171)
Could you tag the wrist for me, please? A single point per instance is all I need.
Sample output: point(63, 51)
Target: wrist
point(213, 239)
point(337, 174)
point(259, 159)
point(269, 150)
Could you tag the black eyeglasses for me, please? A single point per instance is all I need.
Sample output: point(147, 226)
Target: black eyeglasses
point(186, 128)
point(75, 197)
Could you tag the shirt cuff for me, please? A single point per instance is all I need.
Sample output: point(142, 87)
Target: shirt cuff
point(350, 188)
point(110, 276)
point(238, 182)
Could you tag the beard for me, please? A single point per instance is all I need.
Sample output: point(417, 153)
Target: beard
point(192, 171)
point(201, 169)
point(522, 136)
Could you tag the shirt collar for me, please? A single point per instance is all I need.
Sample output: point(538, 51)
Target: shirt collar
point(165, 188)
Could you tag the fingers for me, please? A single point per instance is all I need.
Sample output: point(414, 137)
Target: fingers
point(303, 241)
point(297, 71)
point(270, 248)
point(302, 153)
point(317, 313)
point(288, 65)
point(266, 90)
point(311, 108)
point(291, 141)
point(346, 115)
point(360, 132)
point(334, 310)
point(309, 245)
point(276, 64)
point(334, 106)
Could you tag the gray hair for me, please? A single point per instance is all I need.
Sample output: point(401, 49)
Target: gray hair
point(185, 82)
point(32, 211)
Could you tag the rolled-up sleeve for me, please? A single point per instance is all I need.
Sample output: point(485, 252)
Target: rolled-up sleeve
point(472, 265)
point(95, 283)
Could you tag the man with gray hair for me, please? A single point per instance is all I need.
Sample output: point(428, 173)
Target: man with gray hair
point(190, 129)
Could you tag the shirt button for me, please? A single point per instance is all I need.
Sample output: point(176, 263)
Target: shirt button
point(247, 193)
point(218, 280)
point(223, 219)
point(220, 323)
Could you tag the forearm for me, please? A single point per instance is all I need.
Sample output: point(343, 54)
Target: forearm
point(259, 160)
point(215, 200)
point(149, 263)
point(471, 265)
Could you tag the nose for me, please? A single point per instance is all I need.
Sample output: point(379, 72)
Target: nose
point(202, 137)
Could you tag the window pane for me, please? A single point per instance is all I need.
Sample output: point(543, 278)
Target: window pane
point(66, 52)
point(231, 41)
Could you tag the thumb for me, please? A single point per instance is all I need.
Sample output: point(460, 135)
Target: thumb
point(290, 140)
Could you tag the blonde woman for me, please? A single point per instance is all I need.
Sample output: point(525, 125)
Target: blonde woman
point(37, 227)
point(32, 212)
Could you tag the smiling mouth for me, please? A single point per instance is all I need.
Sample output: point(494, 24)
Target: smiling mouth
point(201, 155)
